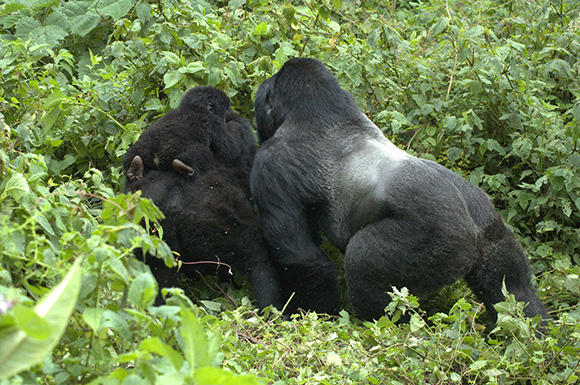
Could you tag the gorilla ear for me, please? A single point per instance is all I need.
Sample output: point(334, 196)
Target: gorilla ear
point(182, 168)
point(135, 170)
point(210, 107)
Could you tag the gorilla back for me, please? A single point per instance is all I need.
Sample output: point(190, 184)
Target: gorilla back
point(399, 220)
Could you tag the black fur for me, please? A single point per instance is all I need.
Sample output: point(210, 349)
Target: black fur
point(209, 217)
point(399, 220)
point(192, 134)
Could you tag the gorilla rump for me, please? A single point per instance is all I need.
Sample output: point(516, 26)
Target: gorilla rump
point(208, 217)
point(399, 220)
point(187, 138)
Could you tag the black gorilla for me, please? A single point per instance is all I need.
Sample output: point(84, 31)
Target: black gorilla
point(209, 217)
point(399, 220)
point(201, 128)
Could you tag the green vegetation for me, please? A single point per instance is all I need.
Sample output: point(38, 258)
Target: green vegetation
point(489, 89)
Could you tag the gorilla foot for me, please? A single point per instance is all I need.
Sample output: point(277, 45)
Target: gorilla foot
point(182, 168)
point(135, 170)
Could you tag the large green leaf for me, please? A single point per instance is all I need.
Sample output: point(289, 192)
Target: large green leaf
point(16, 186)
point(18, 350)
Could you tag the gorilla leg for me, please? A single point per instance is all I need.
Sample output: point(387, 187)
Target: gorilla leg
point(303, 268)
point(264, 279)
point(503, 259)
point(405, 253)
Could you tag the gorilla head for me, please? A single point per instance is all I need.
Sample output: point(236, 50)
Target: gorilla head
point(399, 220)
point(319, 91)
point(202, 127)
point(203, 98)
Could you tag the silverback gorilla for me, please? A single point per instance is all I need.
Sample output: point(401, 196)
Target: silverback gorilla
point(209, 215)
point(399, 220)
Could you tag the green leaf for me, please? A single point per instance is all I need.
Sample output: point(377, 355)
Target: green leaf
point(112, 320)
point(54, 99)
point(261, 29)
point(215, 376)
point(82, 25)
point(439, 26)
point(474, 32)
point(45, 224)
point(117, 266)
point(16, 186)
point(10, 8)
point(155, 345)
point(477, 365)
point(212, 305)
point(19, 351)
point(194, 343)
point(51, 118)
point(114, 8)
point(144, 12)
point(25, 26)
point(27, 320)
point(143, 291)
point(93, 317)
point(171, 78)
point(50, 35)
point(576, 111)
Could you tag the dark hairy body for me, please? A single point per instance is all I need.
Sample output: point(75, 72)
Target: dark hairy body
point(210, 220)
point(399, 220)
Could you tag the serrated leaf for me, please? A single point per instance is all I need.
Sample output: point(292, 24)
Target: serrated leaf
point(50, 34)
point(439, 26)
point(474, 32)
point(576, 111)
point(74, 8)
point(54, 99)
point(81, 21)
point(51, 118)
point(25, 26)
point(212, 305)
point(18, 351)
point(57, 18)
point(45, 224)
point(171, 78)
point(261, 29)
point(16, 186)
point(144, 12)
point(231, 76)
point(116, 9)
point(449, 122)
point(477, 365)
point(82, 25)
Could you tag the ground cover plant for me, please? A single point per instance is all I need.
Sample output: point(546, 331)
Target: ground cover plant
point(489, 89)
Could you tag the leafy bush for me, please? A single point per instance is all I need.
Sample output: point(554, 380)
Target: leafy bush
point(489, 90)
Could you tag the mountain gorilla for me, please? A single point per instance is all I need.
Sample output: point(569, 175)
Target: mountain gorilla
point(399, 220)
point(209, 217)
point(201, 128)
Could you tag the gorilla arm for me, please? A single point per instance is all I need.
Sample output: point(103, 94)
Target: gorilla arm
point(302, 266)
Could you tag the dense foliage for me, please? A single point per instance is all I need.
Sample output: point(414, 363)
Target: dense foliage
point(489, 89)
